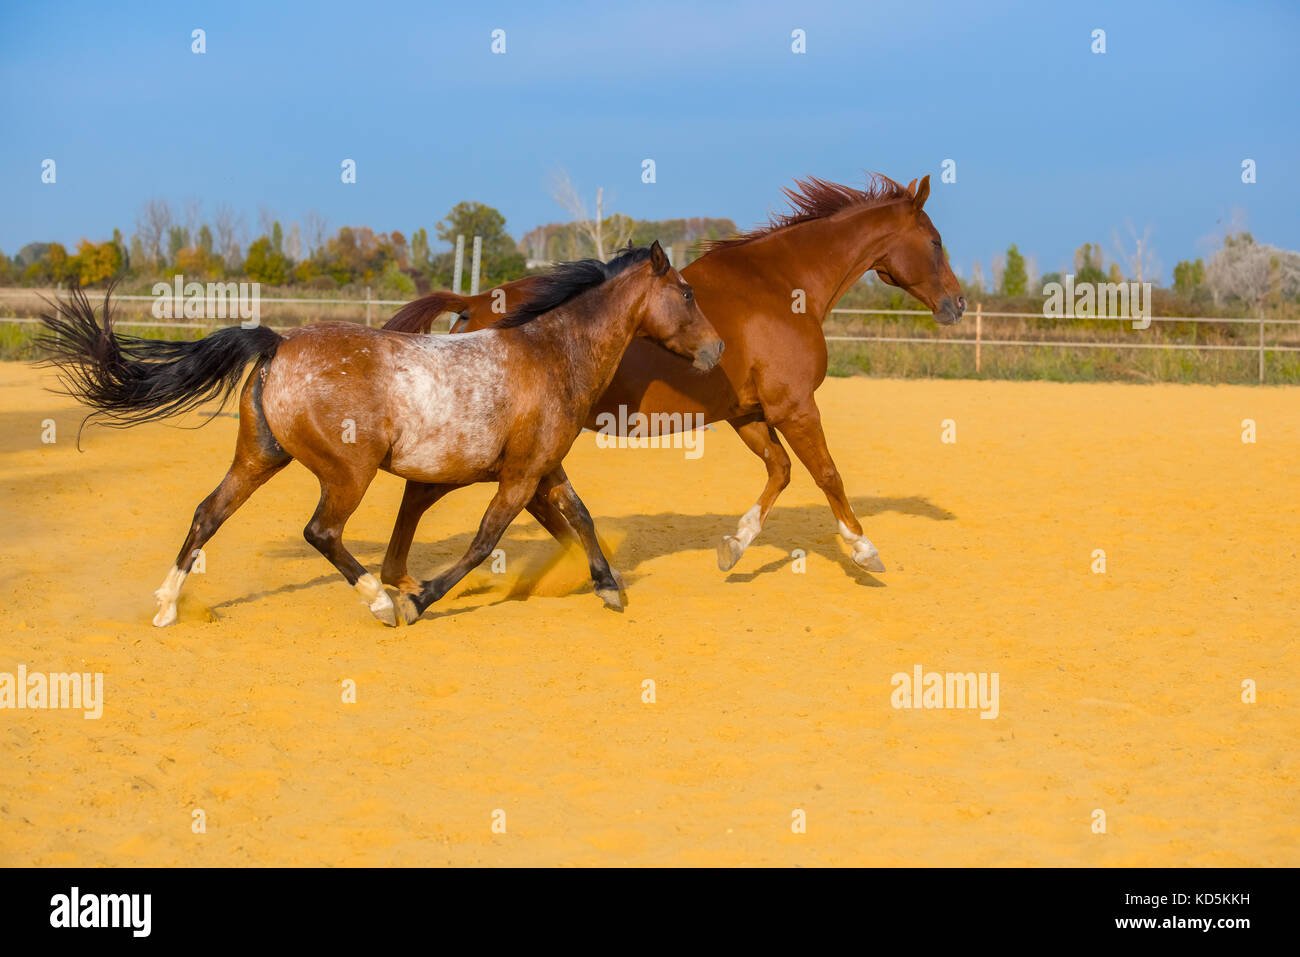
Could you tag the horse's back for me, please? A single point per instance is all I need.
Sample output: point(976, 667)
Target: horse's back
point(433, 406)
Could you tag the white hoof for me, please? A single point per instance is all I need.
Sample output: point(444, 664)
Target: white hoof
point(376, 599)
point(866, 556)
point(166, 610)
point(384, 610)
point(166, 596)
point(733, 546)
point(729, 551)
point(864, 553)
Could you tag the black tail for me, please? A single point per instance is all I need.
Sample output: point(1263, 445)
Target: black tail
point(128, 380)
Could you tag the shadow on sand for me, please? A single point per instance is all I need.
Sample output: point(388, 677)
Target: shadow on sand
point(641, 538)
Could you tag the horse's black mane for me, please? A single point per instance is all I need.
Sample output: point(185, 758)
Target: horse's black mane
point(569, 280)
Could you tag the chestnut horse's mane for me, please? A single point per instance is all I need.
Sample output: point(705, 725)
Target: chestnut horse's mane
point(568, 280)
point(814, 198)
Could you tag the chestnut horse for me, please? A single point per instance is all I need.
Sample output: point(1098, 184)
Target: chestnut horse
point(503, 404)
point(767, 293)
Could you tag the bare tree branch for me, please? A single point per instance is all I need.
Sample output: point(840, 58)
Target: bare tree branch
point(151, 225)
point(567, 196)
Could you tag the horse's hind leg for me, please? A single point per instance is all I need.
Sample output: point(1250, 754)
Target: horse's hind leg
point(417, 498)
point(762, 440)
point(257, 457)
point(555, 498)
point(509, 501)
point(340, 494)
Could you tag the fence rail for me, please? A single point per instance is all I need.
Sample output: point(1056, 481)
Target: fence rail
point(977, 341)
point(1261, 346)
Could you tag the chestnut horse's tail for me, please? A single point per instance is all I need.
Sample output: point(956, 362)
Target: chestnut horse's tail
point(418, 316)
point(128, 380)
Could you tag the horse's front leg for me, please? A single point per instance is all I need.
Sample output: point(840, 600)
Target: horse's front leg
point(511, 497)
point(802, 428)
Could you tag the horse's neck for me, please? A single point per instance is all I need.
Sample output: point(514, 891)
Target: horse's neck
point(594, 331)
point(830, 254)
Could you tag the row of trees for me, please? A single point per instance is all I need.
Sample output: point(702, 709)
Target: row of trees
point(309, 256)
point(1242, 272)
point(211, 249)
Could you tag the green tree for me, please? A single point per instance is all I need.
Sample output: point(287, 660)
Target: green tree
point(420, 249)
point(395, 284)
point(1188, 277)
point(122, 251)
point(502, 260)
point(30, 254)
point(1089, 263)
point(1014, 278)
point(263, 264)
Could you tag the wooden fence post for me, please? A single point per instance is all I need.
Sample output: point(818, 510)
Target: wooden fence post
point(979, 332)
point(1261, 350)
point(367, 305)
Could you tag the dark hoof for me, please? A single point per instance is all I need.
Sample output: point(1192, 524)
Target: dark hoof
point(611, 597)
point(407, 609)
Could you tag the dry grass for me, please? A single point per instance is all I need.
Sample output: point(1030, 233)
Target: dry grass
point(1125, 361)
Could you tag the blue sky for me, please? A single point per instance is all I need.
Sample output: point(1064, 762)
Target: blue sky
point(1054, 145)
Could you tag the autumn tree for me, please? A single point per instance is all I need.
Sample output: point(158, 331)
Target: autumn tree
point(95, 262)
point(263, 264)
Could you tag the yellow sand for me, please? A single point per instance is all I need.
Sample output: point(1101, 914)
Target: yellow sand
point(519, 692)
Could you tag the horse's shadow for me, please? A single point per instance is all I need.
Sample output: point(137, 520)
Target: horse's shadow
point(629, 541)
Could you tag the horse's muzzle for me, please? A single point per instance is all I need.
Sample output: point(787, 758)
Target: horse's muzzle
point(708, 356)
point(950, 310)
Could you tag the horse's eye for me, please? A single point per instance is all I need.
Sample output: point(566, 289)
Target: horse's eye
point(688, 293)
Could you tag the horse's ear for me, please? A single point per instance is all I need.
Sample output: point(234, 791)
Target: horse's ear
point(658, 261)
point(922, 192)
point(911, 188)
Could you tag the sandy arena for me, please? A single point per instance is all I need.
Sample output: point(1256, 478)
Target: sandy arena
point(1119, 692)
